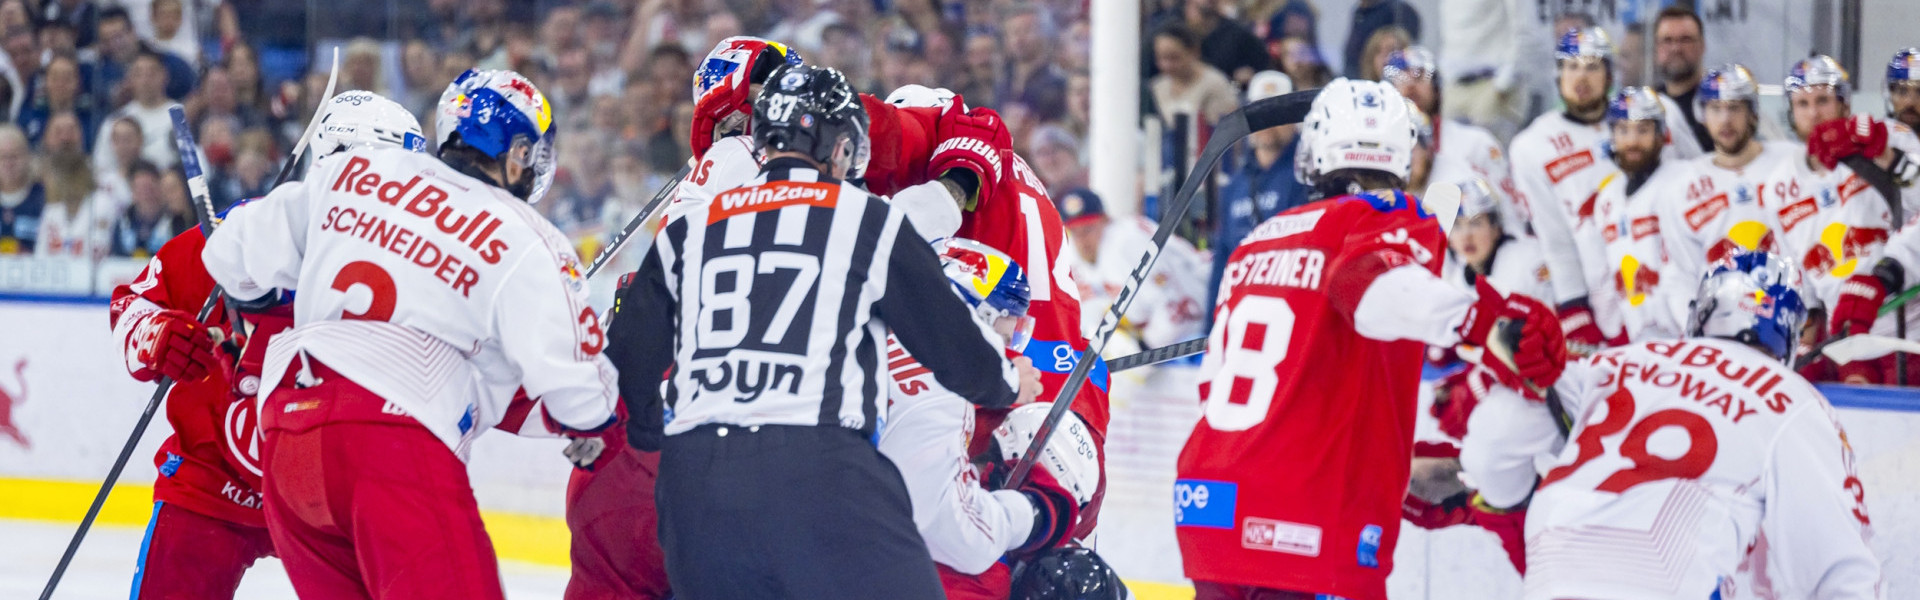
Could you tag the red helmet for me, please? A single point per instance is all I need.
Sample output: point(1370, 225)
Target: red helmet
point(722, 86)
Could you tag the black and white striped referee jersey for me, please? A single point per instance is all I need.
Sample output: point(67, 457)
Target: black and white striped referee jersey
point(771, 303)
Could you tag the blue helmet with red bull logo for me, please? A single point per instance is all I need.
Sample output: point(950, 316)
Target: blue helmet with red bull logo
point(1819, 71)
point(1729, 82)
point(1753, 298)
point(1584, 43)
point(503, 116)
point(991, 282)
point(1413, 63)
point(1904, 68)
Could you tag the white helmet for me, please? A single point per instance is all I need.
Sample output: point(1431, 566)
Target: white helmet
point(362, 118)
point(914, 95)
point(1356, 124)
point(1069, 456)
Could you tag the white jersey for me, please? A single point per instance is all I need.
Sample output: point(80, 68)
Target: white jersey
point(1683, 452)
point(1647, 292)
point(435, 290)
point(1716, 211)
point(1557, 166)
point(1834, 225)
point(1518, 268)
point(1172, 302)
point(1681, 145)
point(926, 433)
point(730, 163)
point(1463, 144)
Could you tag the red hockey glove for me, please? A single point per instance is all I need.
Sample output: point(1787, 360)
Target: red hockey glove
point(1577, 325)
point(974, 141)
point(173, 344)
point(1858, 306)
point(1859, 135)
point(1463, 393)
point(1056, 514)
point(728, 107)
point(1428, 515)
point(1529, 364)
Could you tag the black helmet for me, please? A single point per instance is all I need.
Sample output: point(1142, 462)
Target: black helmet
point(1070, 573)
point(812, 110)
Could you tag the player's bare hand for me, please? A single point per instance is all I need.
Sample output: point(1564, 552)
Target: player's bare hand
point(1029, 380)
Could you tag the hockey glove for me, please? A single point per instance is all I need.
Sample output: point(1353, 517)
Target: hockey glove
point(583, 451)
point(171, 343)
point(1055, 513)
point(1859, 135)
point(1859, 304)
point(970, 150)
point(1577, 324)
point(1529, 364)
point(1436, 515)
point(727, 109)
point(1463, 392)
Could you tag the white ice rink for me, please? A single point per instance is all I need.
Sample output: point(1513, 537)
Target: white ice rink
point(103, 570)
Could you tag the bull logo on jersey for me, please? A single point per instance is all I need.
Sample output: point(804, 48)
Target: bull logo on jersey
point(10, 399)
point(1743, 236)
point(1635, 281)
point(1840, 249)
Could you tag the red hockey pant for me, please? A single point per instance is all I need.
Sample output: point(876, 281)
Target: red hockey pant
point(616, 545)
point(191, 556)
point(366, 504)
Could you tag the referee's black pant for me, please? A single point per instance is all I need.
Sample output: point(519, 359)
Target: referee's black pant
point(790, 512)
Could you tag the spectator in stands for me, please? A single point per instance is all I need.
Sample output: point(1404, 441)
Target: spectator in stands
point(75, 221)
point(360, 67)
point(1031, 77)
point(1630, 57)
point(60, 93)
point(1385, 41)
point(1186, 85)
point(111, 159)
point(174, 194)
point(64, 133)
point(1079, 107)
point(982, 65)
point(1264, 185)
point(22, 46)
point(1680, 48)
point(120, 49)
point(1368, 17)
point(420, 68)
point(1301, 62)
point(251, 174)
point(146, 81)
point(1295, 19)
point(14, 13)
point(243, 70)
point(572, 72)
point(173, 32)
point(1056, 158)
point(22, 198)
point(220, 99)
point(146, 224)
point(81, 17)
point(1225, 44)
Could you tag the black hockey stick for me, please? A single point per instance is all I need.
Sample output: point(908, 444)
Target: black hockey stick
point(1158, 355)
point(1883, 182)
point(1272, 112)
point(203, 211)
point(646, 212)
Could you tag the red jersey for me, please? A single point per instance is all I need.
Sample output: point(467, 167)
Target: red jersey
point(211, 463)
point(1294, 475)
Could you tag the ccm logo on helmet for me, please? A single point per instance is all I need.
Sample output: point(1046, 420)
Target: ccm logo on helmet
point(971, 145)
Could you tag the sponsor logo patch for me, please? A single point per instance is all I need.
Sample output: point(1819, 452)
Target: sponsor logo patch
point(1700, 215)
point(1280, 536)
point(1203, 503)
point(1567, 165)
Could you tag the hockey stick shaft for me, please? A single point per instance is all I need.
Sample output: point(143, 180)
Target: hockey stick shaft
point(1263, 114)
point(313, 125)
point(203, 211)
point(619, 241)
point(1158, 355)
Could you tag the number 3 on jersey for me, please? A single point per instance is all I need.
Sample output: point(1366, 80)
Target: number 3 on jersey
point(1258, 331)
point(1644, 466)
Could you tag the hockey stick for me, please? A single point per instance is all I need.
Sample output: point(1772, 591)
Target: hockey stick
point(1279, 110)
point(1867, 347)
point(203, 210)
point(1882, 182)
point(313, 125)
point(614, 245)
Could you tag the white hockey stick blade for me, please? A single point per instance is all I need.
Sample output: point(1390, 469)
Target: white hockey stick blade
point(1867, 347)
point(313, 124)
point(1442, 200)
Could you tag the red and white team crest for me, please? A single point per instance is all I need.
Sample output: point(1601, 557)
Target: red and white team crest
point(242, 427)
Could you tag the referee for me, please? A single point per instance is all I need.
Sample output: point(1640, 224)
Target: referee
point(779, 295)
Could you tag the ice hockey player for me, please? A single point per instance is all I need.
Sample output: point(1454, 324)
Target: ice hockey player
point(1323, 289)
point(408, 268)
point(207, 528)
point(1631, 207)
point(1903, 87)
point(1478, 248)
point(968, 528)
point(949, 166)
point(1718, 208)
point(1683, 455)
point(1832, 222)
point(1414, 73)
point(780, 294)
point(1168, 309)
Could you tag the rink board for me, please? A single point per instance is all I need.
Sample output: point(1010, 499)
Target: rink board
point(78, 405)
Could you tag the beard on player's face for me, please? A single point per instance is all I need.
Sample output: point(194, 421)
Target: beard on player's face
point(1636, 159)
